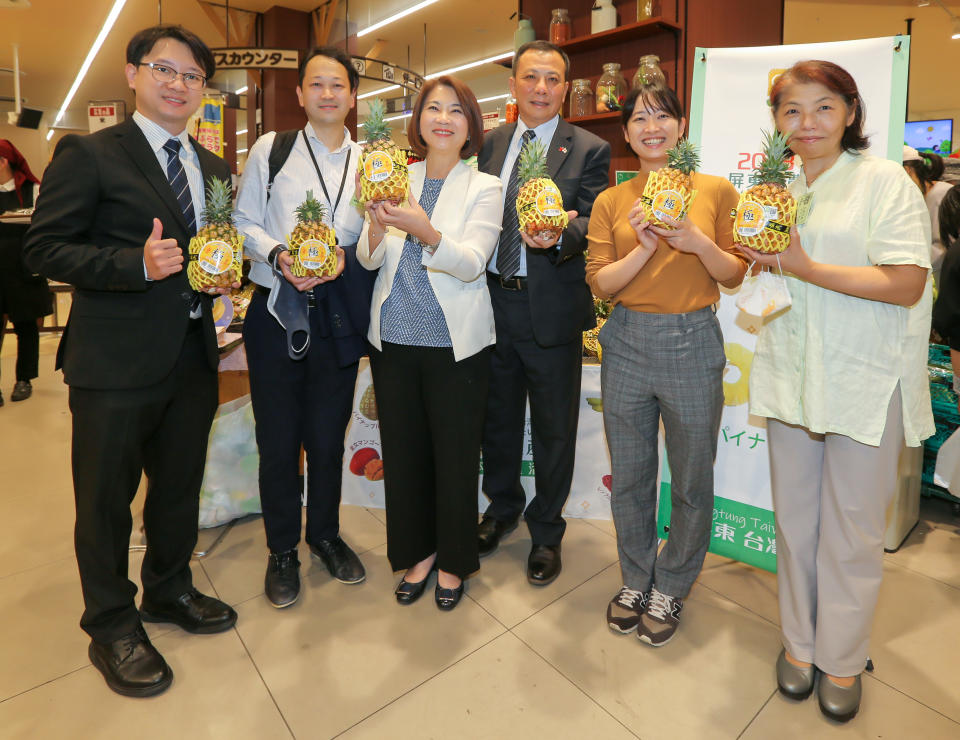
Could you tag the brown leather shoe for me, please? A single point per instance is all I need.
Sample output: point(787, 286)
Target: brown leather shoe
point(131, 665)
point(192, 611)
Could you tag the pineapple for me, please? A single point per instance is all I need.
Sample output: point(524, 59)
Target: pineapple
point(216, 251)
point(669, 191)
point(383, 164)
point(539, 203)
point(313, 242)
point(767, 210)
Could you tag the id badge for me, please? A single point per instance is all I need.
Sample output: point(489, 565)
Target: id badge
point(804, 206)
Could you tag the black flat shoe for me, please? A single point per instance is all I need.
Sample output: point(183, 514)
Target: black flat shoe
point(448, 598)
point(408, 592)
point(192, 611)
point(131, 665)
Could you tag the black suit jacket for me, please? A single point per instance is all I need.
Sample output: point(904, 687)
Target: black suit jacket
point(579, 163)
point(96, 208)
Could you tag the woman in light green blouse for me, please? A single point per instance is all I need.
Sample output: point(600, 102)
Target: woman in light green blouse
point(841, 378)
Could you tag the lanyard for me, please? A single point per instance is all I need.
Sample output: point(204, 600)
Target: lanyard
point(323, 185)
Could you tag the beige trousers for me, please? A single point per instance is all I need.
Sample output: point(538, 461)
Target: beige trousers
point(830, 498)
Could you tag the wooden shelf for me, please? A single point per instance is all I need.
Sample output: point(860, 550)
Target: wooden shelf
point(620, 34)
point(595, 118)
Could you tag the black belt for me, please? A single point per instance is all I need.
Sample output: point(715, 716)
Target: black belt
point(265, 292)
point(515, 283)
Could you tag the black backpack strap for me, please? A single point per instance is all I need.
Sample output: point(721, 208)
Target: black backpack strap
point(279, 152)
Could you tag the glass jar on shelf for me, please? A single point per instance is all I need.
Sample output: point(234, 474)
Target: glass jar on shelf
point(511, 111)
point(611, 88)
point(561, 26)
point(649, 72)
point(581, 99)
point(647, 9)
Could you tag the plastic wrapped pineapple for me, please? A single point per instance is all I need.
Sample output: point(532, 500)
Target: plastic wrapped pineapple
point(767, 210)
point(216, 252)
point(539, 203)
point(313, 242)
point(384, 175)
point(669, 191)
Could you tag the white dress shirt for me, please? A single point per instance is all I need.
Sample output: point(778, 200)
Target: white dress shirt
point(6, 187)
point(544, 134)
point(267, 224)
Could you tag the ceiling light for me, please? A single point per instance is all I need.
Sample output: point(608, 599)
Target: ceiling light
point(378, 92)
point(241, 151)
point(395, 17)
point(397, 118)
point(956, 29)
point(494, 97)
point(91, 55)
point(241, 133)
point(470, 65)
point(241, 91)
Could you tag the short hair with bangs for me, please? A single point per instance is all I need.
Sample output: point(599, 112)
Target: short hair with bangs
point(651, 97)
point(471, 109)
point(838, 81)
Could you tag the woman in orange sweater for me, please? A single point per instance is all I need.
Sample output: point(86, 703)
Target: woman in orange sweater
point(663, 359)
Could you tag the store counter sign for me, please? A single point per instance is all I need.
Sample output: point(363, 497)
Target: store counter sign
point(102, 115)
point(253, 58)
point(209, 125)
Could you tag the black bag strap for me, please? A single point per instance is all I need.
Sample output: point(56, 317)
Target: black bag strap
point(279, 153)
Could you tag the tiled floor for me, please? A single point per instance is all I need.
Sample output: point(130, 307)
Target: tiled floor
point(512, 661)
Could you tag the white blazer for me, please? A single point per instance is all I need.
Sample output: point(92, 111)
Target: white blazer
point(468, 215)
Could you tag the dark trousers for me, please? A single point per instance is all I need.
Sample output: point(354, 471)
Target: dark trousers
point(550, 378)
point(28, 346)
point(431, 417)
point(297, 402)
point(117, 434)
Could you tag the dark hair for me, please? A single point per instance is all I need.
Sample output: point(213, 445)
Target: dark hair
point(949, 215)
point(928, 169)
point(544, 46)
point(471, 109)
point(836, 79)
point(337, 55)
point(652, 97)
point(143, 42)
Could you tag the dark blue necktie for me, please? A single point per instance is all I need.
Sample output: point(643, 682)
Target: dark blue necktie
point(178, 181)
point(508, 255)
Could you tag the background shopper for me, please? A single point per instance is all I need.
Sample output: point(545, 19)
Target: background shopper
point(663, 358)
point(842, 379)
point(926, 169)
point(431, 325)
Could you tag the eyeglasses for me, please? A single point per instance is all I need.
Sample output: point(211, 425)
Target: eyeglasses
point(163, 73)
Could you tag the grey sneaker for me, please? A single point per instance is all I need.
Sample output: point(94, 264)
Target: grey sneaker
point(625, 609)
point(659, 623)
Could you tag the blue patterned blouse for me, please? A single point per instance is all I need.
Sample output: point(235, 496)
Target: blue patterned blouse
point(411, 314)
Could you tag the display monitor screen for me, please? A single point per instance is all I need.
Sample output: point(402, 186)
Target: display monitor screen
point(930, 136)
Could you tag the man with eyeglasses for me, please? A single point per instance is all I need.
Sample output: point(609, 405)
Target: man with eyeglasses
point(114, 218)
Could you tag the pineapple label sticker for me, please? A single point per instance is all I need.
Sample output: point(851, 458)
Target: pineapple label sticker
point(313, 253)
point(378, 166)
point(215, 257)
point(668, 204)
point(549, 202)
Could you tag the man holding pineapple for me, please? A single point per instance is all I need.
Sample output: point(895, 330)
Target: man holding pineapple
point(292, 202)
point(541, 307)
point(116, 214)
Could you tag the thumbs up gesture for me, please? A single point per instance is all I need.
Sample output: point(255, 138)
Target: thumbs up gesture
point(161, 257)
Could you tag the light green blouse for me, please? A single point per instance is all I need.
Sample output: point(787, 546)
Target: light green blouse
point(831, 362)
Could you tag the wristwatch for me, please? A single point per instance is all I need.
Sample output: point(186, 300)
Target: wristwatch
point(431, 248)
point(274, 253)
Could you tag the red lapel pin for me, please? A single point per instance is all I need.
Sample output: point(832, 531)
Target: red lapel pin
point(563, 150)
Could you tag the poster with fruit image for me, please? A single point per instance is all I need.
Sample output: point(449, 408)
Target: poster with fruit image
point(730, 143)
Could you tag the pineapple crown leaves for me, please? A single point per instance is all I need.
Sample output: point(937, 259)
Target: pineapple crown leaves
point(310, 210)
point(374, 127)
point(532, 162)
point(218, 207)
point(684, 157)
point(774, 168)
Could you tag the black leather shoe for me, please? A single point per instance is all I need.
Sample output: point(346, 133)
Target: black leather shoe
point(282, 582)
point(543, 565)
point(447, 598)
point(22, 390)
point(408, 592)
point(192, 611)
point(131, 666)
point(341, 561)
point(490, 531)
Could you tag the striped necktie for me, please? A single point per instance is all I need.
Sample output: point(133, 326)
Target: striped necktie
point(508, 255)
point(178, 181)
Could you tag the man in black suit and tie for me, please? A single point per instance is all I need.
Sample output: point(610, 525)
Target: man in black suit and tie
point(114, 218)
point(542, 306)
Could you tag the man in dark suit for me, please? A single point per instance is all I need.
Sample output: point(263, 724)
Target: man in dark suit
point(541, 306)
point(114, 218)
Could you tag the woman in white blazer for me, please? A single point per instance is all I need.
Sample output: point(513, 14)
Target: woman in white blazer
point(431, 327)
